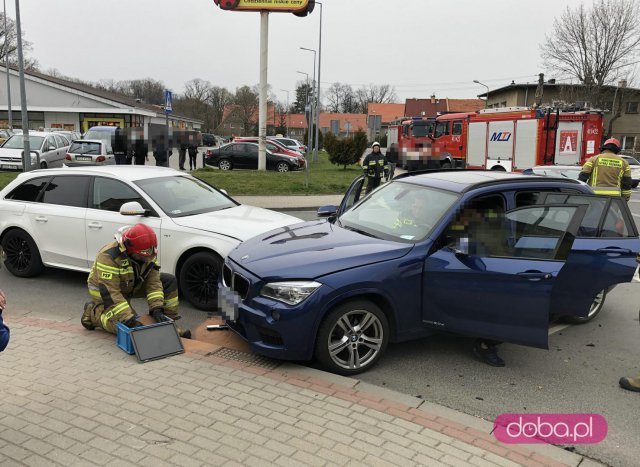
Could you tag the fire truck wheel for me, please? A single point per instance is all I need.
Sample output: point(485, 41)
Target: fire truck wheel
point(446, 165)
point(499, 168)
point(596, 308)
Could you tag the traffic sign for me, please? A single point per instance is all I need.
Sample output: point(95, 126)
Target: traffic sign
point(299, 7)
point(168, 98)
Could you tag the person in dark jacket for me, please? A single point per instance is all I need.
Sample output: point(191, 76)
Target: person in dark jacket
point(193, 153)
point(119, 146)
point(375, 167)
point(161, 153)
point(182, 151)
point(4, 330)
point(140, 149)
point(392, 159)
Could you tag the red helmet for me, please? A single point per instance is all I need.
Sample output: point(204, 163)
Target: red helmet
point(140, 239)
point(612, 144)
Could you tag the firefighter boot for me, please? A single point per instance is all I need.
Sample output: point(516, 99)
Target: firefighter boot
point(86, 316)
point(184, 333)
point(630, 384)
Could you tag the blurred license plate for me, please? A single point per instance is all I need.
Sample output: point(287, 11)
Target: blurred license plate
point(84, 158)
point(228, 302)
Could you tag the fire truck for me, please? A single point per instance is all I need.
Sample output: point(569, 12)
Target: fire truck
point(515, 138)
point(412, 138)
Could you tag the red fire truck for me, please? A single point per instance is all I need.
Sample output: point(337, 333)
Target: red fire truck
point(412, 138)
point(515, 138)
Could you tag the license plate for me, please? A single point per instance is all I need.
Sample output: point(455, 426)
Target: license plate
point(84, 158)
point(8, 167)
point(228, 302)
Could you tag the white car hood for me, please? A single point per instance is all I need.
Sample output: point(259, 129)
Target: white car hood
point(12, 153)
point(241, 222)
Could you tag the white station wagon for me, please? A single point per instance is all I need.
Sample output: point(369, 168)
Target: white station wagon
point(62, 217)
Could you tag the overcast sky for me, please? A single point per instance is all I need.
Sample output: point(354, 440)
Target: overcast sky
point(418, 46)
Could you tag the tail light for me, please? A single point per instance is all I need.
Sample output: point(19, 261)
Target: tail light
point(67, 157)
point(100, 159)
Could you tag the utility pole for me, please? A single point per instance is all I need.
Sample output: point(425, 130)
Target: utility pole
point(26, 153)
point(6, 64)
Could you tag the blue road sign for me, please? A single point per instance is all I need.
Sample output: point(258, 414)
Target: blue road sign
point(168, 97)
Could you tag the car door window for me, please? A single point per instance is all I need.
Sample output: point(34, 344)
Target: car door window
point(67, 191)
point(61, 141)
point(617, 223)
point(50, 144)
point(29, 190)
point(110, 195)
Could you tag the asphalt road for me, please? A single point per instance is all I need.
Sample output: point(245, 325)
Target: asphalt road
point(579, 373)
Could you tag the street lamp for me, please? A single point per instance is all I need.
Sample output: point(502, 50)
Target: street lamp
point(315, 149)
point(486, 102)
point(306, 100)
point(310, 135)
point(6, 64)
point(284, 90)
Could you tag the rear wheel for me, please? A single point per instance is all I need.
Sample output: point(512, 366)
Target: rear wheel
point(594, 310)
point(43, 165)
point(282, 167)
point(198, 280)
point(225, 164)
point(498, 168)
point(352, 337)
point(22, 255)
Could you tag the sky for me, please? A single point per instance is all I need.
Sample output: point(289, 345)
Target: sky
point(420, 47)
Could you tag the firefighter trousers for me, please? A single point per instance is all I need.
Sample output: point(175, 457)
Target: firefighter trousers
point(170, 289)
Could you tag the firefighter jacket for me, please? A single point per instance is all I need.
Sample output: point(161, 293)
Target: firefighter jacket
point(608, 174)
point(375, 165)
point(115, 278)
point(4, 334)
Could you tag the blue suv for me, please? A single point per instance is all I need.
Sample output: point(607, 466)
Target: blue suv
point(485, 254)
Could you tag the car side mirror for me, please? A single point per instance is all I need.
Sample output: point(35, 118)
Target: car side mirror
point(328, 210)
point(132, 208)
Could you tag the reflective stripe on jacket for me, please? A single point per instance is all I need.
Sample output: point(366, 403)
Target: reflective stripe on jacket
point(608, 174)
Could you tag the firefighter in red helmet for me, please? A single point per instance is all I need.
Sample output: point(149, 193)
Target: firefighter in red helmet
point(124, 269)
point(608, 173)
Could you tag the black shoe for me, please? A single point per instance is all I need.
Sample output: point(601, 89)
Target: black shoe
point(630, 384)
point(488, 355)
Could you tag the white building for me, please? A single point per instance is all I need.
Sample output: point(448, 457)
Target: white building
point(59, 103)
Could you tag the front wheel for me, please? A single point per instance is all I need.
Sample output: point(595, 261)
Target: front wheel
point(282, 167)
point(22, 255)
point(198, 280)
point(594, 310)
point(225, 164)
point(352, 337)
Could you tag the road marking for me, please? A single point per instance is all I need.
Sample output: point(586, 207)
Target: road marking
point(557, 328)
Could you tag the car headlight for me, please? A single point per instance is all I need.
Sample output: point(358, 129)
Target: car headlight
point(290, 293)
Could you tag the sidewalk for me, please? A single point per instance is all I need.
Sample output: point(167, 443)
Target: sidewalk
point(71, 397)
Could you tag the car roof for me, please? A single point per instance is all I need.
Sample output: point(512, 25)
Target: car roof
point(123, 172)
point(101, 141)
point(464, 180)
point(36, 133)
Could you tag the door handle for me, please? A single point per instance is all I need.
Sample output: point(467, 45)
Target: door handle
point(41, 219)
point(535, 275)
point(615, 250)
point(95, 225)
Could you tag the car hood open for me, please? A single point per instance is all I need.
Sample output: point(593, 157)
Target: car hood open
point(312, 250)
point(241, 222)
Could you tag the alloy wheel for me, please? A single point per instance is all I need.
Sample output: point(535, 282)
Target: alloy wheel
point(355, 339)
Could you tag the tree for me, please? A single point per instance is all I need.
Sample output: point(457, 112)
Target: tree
point(595, 46)
point(218, 98)
point(9, 44)
point(383, 94)
point(340, 98)
point(246, 108)
point(303, 90)
point(345, 151)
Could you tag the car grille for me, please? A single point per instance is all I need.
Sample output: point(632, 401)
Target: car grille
point(235, 281)
point(10, 159)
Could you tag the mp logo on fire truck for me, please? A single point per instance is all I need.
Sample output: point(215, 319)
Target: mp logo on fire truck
point(502, 136)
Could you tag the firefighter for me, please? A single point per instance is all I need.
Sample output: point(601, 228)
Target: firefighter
point(375, 167)
point(124, 269)
point(4, 330)
point(607, 173)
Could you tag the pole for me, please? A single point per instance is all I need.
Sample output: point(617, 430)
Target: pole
point(262, 119)
point(6, 64)
point(315, 150)
point(26, 153)
point(287, 121)
point(166, 133)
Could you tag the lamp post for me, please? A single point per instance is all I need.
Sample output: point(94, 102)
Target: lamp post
point(313, 107)
point(26, 153)
point(315, 149)
point(306, 100)
point(486, 102)
point(6, 64)
point(287, 111)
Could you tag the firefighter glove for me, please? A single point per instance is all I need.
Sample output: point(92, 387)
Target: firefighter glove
point(132, 323)
point(158, 315)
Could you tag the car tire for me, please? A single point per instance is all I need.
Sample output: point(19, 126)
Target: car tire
point(43, 165)
point(344, 351)
point(22, 257)
point(225, 164)
point(198, 279)
point(282, 167)
point(446, 165)
point(596, 308)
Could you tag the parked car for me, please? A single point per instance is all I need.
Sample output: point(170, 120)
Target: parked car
point(68, 214)
point(276, 148)
point(47, 150)
point(568, 171)
point(245, 156)
point(85, 152)
point(103, 133)
point(5, 135)
point(208, 139)
point(341, 289)
point(290, 143)
point(635, 169)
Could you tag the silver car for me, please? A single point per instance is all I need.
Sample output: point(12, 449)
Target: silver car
point(47, 150)
point(84, 152)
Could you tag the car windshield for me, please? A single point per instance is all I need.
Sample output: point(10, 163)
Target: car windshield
point(181, 196)
point(17, 142)
point(84, 147)
point(568, 172)
point(422, 130)
point(399, 211)
point(103, 135)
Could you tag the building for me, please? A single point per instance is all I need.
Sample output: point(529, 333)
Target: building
point(379, 116)
point(621, 120)
point(59, 103)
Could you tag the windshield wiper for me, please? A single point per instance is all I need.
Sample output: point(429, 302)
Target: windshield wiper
point(353, 229)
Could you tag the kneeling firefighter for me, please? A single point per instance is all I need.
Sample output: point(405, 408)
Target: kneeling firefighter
point(124, 269)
